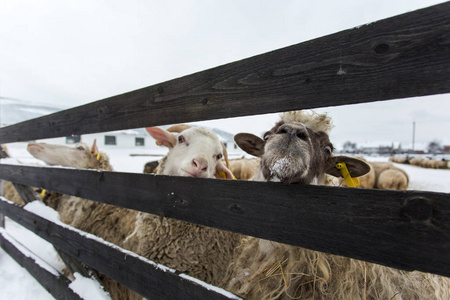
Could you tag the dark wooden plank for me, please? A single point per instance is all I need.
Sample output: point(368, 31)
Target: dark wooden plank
point(403, 56)
point(407, 230)
point(149, 280)
point(57, 286)
point(28, 195)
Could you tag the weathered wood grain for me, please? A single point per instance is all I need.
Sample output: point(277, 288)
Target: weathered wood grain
point(57, 286)
point(149, 280)
point(403, 56)
point(403, 229)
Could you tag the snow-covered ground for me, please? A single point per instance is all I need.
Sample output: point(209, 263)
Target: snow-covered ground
point(16, 283)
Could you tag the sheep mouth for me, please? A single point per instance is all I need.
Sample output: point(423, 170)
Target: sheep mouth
point(287, 168)
point(189, 174)
point(33, 146)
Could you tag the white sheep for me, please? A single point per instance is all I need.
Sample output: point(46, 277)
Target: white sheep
point(297, 151)
point(199, 251)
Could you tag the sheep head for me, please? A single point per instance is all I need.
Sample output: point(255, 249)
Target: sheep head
point(80, 156)
point(298, 150)
point(194, 152)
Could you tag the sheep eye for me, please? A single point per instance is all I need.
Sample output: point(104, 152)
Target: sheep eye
point(266, 137)
point(219, 156)
point(181, 139)
point(328, 150)
point(80, 148)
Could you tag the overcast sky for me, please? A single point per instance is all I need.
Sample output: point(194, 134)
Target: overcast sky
point(75, 52)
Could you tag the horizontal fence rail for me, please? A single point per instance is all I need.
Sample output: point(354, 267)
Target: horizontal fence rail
point(150, 280)
point(407, 230)
point(403, 56)
point(57, 286)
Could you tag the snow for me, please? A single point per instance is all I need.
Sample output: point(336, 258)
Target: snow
point(40, 247)
point(16, 283)
point(25, 251)
point(44, 211)
point(88, 289)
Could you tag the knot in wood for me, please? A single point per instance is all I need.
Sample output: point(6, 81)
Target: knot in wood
point(418, 208)
point(101, 112)
point(381, 48)
point(236, 208)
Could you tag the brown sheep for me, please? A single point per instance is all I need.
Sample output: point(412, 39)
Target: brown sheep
point(268, 270)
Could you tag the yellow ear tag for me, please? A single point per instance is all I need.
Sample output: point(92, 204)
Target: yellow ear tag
point(42, 193)
point(350, 181)
point(224, 176)
point(98, 156)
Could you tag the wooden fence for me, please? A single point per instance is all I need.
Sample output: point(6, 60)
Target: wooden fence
point(403, 56)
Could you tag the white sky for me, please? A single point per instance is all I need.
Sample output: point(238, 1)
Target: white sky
point(75, 52)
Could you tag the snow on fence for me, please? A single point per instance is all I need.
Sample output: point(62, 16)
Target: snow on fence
point(399, 57)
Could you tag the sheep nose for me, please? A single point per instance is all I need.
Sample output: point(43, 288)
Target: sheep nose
point(200, 164)
point(293, 131)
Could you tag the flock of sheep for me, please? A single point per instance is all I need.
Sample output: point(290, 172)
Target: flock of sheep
point(422, 162)
point(297, 150)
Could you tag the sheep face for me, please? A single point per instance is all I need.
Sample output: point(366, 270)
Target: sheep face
point(293, 153)
point(79, 156)
point(195, 152)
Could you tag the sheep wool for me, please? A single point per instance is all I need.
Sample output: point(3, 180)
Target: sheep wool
point(263, 269)
point(312, 120)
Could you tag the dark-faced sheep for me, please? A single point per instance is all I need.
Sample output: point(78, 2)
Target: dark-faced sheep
point(297, 151)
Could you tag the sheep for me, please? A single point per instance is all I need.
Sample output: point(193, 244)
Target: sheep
point(440, 164)
point(416, 161)
point(297, 151)
point(429, 163)
point(400, 159)
point(243, 168)
point(7, 188)
point(390, 177)
point(111, 223)
point(307, 155)
point(76, 211)
point(197, 250)
point(383, 176)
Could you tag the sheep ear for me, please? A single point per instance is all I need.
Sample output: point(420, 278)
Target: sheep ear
point(162, 136)
point(223, 172)
point(250, 143)
point(94, 148)
point(355, 167)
